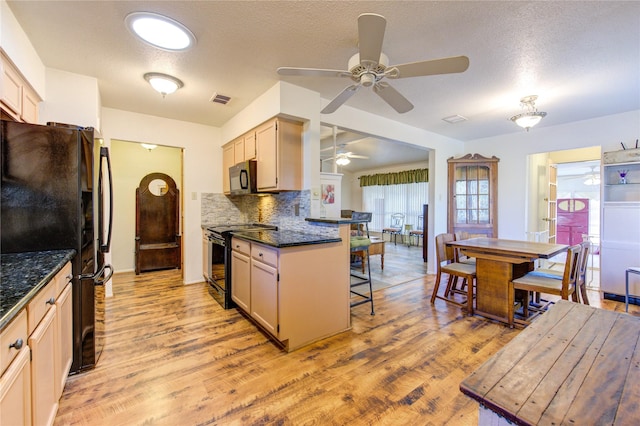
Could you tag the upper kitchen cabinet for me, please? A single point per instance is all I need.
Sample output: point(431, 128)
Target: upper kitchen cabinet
point(17, 98)
point(279, 155)
point(473, 195)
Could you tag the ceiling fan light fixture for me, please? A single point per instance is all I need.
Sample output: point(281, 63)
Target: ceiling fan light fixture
point(531, 116)
point(160, 31)
point(342, 160)
point(163, 83)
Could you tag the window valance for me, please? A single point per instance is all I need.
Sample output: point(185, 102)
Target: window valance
point(397, 178)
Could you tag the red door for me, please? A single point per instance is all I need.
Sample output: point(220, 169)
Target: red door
point(573, 220)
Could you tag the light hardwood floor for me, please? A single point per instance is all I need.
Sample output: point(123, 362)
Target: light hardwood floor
point(174, 357)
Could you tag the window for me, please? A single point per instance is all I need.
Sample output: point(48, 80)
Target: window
point(384, 200)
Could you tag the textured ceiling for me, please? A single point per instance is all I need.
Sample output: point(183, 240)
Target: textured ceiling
point(581, 58)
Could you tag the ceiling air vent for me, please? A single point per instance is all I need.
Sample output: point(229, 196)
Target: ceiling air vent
point(219, 99)
point(452, 119)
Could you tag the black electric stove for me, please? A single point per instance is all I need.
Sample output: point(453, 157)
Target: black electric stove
point(218, 273)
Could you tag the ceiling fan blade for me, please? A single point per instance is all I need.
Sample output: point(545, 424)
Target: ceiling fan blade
point(370, 36)
point(312, 72)
point(340, 99)
point(393, 97)
point(364, 157)
point(433, 67)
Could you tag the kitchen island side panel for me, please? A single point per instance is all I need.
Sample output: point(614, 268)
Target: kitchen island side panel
point(314, 291)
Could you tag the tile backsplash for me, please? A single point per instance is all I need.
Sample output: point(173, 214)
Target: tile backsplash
point(274, 209)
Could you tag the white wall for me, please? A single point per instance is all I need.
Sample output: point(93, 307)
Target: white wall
point(71, 99)
point(130, 163)
point(513, 149)
point(202, 160)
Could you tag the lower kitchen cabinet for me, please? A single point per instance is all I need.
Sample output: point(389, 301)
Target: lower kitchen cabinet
point(241, 274)
point(43, 345)
point(264, 288)
point(15, 382)
point(36, 355)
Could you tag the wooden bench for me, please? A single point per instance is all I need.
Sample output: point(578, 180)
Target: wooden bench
point(576, 364)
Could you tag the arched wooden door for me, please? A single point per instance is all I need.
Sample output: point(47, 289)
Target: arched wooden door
point(157, 223)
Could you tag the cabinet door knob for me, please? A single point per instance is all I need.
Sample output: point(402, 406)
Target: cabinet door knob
point(69, 277)
point(17, 344)
point(260, 254)
point(51, 301)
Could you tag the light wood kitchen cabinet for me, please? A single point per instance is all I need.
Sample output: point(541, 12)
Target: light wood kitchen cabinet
point(241, 149)
point(264, 287)
point(15, 382)
point(227, 162)
point(279, 155)
point(44, 400)
point(205, 256)
point(17, 98)
point(15, 389)
point(241, 274)
point(298, 294)
point(36, 354)
point(64, 324)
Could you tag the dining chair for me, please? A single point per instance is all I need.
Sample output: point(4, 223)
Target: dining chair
point(542, 282)
point(418, 232)
point(395, 228)
point(446, 264)
point(581, 281)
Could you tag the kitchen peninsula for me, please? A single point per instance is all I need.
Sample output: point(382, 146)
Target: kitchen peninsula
point(294, 285)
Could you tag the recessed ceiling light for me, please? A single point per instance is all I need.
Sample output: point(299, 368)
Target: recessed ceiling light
point(160, 31)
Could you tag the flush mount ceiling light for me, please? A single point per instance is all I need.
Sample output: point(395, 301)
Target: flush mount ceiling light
point(149, 146)
point(163, 83)
point(160, 31)
point(531, 116)
point(342, 160)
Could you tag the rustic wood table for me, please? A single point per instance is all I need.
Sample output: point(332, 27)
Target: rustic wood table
point(576, 365)
point(499, 261)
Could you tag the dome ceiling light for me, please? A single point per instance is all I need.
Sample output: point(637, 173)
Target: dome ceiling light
point(163, 83)
point(160, 31)
point(531, 116)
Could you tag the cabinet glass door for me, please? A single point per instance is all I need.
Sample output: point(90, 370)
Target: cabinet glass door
point(472, 190)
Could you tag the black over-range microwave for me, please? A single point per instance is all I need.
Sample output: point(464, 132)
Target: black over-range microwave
point(242, 178)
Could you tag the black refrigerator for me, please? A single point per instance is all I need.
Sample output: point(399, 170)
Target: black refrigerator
point(54, 198)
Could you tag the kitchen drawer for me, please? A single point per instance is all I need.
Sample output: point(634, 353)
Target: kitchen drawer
point(63, 278)
point(40, 304)
point(241, 246)
point(16, 330)
point(265, 254)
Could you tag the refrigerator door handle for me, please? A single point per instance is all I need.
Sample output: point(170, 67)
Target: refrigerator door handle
point(105, 247)
point(101, 281)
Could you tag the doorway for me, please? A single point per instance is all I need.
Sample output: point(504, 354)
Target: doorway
point(577, 178)
point(131, 162)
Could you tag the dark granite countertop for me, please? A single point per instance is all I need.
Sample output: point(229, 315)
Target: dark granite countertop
point(281, 239)
point(22, 275)
point(334, 220)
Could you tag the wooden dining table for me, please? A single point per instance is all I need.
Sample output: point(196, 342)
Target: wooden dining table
point(575, 365)
point(499, 261)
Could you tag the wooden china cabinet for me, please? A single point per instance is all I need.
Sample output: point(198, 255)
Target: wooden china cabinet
point(473, 195)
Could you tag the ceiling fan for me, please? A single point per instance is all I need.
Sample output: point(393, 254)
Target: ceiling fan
point(342, 157)
point(370, 67)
